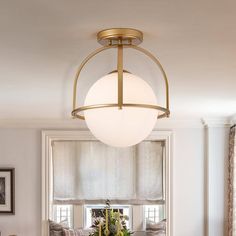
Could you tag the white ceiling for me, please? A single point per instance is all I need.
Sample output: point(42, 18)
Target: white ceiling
point(43, 42)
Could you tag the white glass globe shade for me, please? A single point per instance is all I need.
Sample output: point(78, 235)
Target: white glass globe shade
point(120, 127)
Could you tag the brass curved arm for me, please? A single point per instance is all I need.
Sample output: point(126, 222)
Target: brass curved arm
point(144, 51)
point(84, 62)
point(157, 62)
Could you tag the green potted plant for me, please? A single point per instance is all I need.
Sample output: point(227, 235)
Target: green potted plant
point(112, 223)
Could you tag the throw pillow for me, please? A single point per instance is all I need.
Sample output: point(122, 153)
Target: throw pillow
point(156, 233)
point(72, 232)
point(152, 226)
point(56, 229)
point(56, 233)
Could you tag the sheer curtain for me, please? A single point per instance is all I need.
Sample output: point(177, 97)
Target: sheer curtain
point(232, 184)
point(91, 172)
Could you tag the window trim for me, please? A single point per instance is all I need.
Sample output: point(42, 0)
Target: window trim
point(49, 136)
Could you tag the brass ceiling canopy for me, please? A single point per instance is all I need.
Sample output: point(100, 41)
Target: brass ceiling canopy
point(119, 38)
point(120, 35)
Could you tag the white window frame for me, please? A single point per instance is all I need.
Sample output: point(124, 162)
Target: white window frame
point(54, 135)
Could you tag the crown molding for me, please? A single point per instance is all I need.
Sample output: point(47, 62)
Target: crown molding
point(162, 124)
point(43, 124)
point(233, 119)
point(178, 123)
point(219, 122)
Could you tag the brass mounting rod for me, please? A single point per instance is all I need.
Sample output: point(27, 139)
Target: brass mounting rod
point(120, 75)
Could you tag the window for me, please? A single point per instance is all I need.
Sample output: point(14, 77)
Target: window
point(91, 211)
point(72, 206)
point(63, 213)
point(154, 213)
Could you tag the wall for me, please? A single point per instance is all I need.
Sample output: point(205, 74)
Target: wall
point(188, 182)
point(21, 148)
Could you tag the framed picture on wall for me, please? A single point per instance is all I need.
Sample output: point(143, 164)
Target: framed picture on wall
point(7, 198)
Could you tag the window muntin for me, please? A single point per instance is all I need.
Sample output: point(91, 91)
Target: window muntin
point(63, 213)
point(154, 213)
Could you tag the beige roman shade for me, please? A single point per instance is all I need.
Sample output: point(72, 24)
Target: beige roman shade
point(91, 172)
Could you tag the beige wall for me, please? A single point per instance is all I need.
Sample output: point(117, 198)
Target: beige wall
point(21, 149)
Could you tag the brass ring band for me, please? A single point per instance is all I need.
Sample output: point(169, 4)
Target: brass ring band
point(75, 112)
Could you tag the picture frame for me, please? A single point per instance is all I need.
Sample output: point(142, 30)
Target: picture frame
point(7, 191)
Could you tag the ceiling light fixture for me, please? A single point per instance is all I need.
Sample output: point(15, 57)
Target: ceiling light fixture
point(120, 109)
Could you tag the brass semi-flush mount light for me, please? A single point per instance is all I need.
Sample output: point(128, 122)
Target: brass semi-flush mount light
point(120, 109)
